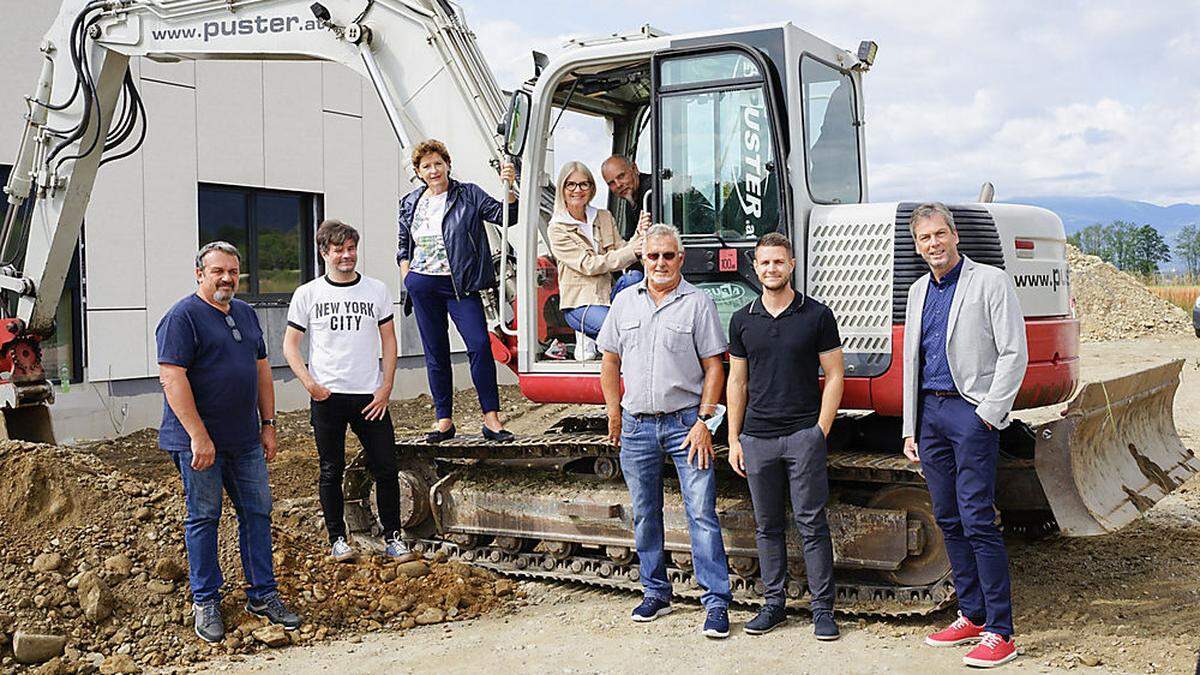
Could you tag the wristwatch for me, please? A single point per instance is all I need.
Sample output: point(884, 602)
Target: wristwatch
point(706, 417)
point(269, 422)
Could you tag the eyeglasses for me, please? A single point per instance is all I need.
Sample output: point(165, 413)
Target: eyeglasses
point(237, 334)
point(665, 255)
point(572, 185)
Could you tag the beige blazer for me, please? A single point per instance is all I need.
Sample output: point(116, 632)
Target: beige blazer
point(585, 274)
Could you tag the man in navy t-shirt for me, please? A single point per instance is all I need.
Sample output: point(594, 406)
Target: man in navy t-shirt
point(218, 426)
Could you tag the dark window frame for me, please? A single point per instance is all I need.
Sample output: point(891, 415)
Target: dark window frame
point(770, 98)
point(312, 212)
point(858, 146)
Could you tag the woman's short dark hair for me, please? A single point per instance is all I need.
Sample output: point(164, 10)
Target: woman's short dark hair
point(334, 233)
point(774, 239)
point(427, 147)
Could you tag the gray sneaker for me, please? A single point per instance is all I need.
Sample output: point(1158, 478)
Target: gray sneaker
point(272, 609)
point(398, 550)
point(343, 552)
point(209, 626)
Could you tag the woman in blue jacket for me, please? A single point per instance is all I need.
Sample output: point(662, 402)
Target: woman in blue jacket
point(445, 260)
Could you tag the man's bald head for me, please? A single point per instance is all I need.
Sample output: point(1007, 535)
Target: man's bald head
point(621, 175)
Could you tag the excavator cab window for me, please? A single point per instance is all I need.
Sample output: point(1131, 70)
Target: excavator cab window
point(830, 133)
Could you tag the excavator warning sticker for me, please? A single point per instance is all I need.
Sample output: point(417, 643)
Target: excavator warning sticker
point(259, 25)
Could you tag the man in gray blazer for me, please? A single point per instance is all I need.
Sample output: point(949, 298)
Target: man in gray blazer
point(964, 360)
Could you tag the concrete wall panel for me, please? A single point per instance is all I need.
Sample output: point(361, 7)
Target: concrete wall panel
point(229, 112)
point(292, 129)
point(342, 90)
point(343, 168)
point(117, 349)
point(115, 236)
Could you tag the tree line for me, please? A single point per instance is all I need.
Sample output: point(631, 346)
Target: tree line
point(1139, 248)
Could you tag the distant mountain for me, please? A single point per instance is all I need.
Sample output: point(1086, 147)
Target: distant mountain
point(1079, 212)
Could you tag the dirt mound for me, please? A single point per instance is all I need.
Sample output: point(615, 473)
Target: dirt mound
point(93, 552)
point(1112, 305)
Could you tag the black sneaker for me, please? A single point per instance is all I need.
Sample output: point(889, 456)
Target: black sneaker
point(209, 626)
point(272, 609)
point(824, 627)
point(716, 624)
point(768, 619)
point(650, 609)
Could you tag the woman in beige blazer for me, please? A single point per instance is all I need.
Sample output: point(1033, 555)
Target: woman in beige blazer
point(588, 249)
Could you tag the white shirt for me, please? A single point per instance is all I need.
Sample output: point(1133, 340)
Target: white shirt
point(342, 322)
point(429, 247)
point(587, 228)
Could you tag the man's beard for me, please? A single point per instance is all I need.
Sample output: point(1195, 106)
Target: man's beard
point(223, 294)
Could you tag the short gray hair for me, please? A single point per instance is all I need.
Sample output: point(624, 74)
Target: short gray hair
point(665, 230)
point(929, 210)
point(222, 246)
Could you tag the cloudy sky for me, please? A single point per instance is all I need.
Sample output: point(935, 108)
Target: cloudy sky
point(1041, 98)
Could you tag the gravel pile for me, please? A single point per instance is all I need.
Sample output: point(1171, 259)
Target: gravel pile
point(95, 571)
point(1112, 305)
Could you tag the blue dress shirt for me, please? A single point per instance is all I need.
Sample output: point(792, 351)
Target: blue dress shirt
point(935, 316)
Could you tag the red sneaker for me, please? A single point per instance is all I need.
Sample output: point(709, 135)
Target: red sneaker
point(993, 650)
point(961, 631)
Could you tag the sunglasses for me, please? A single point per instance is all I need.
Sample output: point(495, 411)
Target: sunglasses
point(572, 185)
point(237, 334)
point(666, 255)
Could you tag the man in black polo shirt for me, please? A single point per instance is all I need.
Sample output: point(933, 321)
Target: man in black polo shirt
point(778, 421)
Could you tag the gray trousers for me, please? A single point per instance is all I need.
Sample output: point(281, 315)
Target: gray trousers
point(776, 468)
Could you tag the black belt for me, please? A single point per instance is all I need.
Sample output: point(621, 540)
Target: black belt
point(942, 394)
point(655, 416)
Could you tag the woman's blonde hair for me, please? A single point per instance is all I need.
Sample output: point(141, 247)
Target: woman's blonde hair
point(560, 192)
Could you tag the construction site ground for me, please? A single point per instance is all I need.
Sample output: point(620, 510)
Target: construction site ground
point(1119, 603)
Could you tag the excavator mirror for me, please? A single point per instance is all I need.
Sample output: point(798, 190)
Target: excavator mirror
point(516, 123)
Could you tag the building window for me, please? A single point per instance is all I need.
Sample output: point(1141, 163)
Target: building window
point(273, 230)
point(62, 351)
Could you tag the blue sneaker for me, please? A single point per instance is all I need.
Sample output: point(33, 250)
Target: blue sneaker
point(716, 624)
point(398, 550)
point(824, 627)
point(650, 609)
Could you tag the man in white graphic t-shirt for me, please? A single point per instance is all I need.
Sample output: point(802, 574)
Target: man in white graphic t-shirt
point(348, 318)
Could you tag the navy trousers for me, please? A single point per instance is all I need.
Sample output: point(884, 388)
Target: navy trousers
point(959, 455)
point(433, 299)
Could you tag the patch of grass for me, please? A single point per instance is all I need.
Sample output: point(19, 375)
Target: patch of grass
point(1184, 296)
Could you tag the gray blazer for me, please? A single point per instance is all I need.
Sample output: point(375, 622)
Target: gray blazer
point(985, 343)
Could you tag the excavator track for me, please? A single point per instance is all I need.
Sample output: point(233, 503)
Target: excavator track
point(853, 598)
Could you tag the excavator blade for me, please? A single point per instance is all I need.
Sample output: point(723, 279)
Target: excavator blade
point(1114, 453)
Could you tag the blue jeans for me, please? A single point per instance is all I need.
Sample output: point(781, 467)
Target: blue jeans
point(589, 318)
point(959, 456)
point(242, 474)
point(645, 444)
point(433, 299)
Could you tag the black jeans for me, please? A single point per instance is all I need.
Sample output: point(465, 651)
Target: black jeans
point(775, 467)
point(329, 420)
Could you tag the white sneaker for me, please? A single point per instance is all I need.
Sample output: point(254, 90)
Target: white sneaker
point(585, 347)
point(343, 552)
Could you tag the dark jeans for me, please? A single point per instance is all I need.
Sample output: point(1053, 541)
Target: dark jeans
point(243, 475)
point(645, 443)
point(329, 420)
point(776, 468)
point(959, 455)
point(432, 300)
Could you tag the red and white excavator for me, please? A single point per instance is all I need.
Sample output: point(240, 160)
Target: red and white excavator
point(746, 131)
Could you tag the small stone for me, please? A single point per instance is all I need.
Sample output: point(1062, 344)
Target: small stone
point(393, 605)
point(47, 562)
point(416, 568)
point(272, 636)
point(160, 587)
point(95, 598)
point(1090, 660)
point(430, 616)
point(119, 564)
point(168, 569)
point(119, 664)
point(387, 574)
point(143, 513)
point(37, 647)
